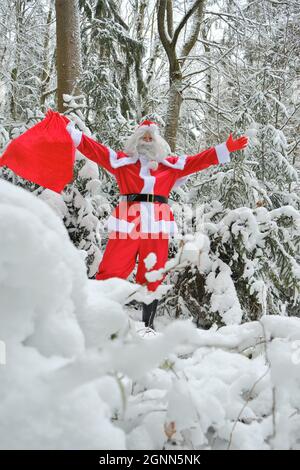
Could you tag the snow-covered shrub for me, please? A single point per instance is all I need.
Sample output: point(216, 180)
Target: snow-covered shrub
point(43, 292)
point(78, 376)
point(235, 388)
point(252, 267)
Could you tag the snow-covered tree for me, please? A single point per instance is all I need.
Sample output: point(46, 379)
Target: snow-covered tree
point(247, 92)
point(26, 57)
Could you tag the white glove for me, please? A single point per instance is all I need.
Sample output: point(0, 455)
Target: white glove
point(75, 134)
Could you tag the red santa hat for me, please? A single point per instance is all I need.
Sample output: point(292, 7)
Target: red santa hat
point(146, 126)
point(149, 126)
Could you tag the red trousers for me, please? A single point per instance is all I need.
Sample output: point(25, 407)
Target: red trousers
point(121, 254)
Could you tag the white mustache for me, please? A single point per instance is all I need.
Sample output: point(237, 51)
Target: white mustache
point(147, 144)
point(149, 149)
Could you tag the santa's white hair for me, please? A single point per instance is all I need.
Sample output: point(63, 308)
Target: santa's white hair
point(156, 150)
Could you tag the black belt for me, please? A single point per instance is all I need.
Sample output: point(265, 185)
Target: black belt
point(145, 197)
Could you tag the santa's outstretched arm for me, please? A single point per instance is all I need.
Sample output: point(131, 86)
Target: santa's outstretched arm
point(212, 156)
point(90, 148)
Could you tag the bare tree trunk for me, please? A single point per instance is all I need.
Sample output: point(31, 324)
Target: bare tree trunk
point(208, 84)
point(19, 11)
point(173, 111)
point(68, 54)
point(45, 78)
point(169, 38)
point(141, 85)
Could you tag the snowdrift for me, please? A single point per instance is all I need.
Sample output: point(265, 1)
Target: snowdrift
point(78, 376)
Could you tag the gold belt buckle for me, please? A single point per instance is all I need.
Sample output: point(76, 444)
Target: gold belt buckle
point(150, 197)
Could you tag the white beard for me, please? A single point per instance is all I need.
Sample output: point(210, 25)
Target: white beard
point(149, 150)
point(157, 150)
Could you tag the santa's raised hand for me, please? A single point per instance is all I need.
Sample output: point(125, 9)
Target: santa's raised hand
point(236, 144)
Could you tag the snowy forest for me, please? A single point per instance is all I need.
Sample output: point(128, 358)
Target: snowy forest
point(222, 369)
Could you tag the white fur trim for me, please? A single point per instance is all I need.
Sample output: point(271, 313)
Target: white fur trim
point(179, 164)
point(153, 165)
point(149, 181)
point(118, 162)
point(223, 153)
point(75, 134)
point(119, 225)
point(152, 128)
point(180, 181)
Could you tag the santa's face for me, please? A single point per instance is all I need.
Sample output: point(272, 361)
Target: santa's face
point(148, 143)
point(147, 137)
point(148, 147)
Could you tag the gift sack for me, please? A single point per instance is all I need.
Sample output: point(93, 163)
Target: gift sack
point(44, 154)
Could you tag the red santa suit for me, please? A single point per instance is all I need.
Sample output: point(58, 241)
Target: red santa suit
point(139, 228)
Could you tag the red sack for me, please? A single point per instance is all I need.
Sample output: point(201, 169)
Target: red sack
point(44, 154)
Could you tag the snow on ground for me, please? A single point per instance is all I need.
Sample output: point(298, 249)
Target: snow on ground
point(77, 375)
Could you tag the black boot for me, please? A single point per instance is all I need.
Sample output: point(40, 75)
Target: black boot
point(149, 311)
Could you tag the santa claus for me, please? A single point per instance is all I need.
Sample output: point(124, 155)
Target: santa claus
point(143, 221)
